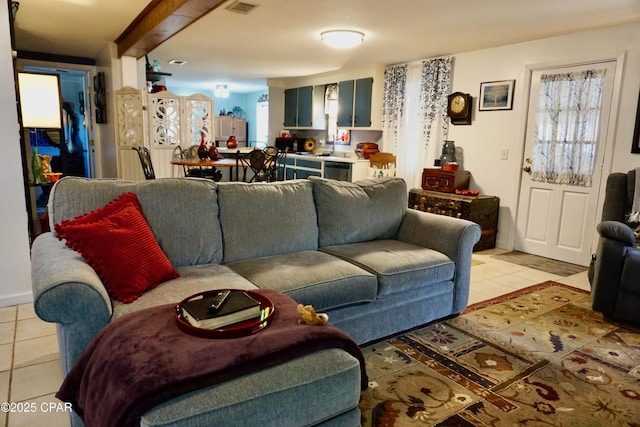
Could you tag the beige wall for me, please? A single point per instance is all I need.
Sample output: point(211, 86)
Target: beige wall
point(15, 265)
point(491, 132)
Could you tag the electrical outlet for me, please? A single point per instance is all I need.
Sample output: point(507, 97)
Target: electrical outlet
point(505, 154)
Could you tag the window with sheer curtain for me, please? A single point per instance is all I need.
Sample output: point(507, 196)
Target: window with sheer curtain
point(414, 113)
point(566, 133)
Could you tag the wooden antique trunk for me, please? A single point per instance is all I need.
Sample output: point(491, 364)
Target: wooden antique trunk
point(483, 210)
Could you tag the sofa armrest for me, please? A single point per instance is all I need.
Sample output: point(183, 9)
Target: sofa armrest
point(616, 239)
point(451, 236)
point(67, 291)
point(617, 231)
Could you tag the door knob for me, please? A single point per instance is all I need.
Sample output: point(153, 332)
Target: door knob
point(527, 169)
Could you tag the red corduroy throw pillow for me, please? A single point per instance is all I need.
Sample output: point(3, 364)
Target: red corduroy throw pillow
point(118, 243)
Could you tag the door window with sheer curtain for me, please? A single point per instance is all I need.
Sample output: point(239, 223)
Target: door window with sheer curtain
point(567, 127)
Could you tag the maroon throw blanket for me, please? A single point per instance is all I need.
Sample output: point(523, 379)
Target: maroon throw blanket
point(142, 359)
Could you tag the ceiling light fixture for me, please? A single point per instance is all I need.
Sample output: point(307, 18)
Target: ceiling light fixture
point(221, 91)
point(177, 62)
point(342, 39)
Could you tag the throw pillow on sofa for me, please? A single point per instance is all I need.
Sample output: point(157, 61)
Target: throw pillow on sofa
point(118, 243)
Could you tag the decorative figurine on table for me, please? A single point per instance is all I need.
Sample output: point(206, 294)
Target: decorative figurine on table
point(203, 152)
point(213, 152)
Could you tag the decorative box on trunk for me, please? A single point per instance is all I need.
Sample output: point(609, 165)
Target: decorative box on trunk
point(483, 210)
point(445, 181)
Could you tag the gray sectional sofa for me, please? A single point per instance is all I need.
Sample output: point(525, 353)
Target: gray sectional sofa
point(352, 250)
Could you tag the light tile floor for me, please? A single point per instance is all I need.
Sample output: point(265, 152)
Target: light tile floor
point(30, 363)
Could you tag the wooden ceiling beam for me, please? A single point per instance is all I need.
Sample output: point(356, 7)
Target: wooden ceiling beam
point(158, 22)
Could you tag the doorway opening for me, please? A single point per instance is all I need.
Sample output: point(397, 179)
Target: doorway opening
point(262, 124)
point(70, 148)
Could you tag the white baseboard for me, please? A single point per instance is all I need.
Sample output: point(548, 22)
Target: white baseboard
point(15, 299)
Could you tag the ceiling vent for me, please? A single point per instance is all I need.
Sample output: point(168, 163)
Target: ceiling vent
point(241, 7)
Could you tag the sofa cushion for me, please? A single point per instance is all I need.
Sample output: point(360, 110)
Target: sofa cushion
point(182, 213)
point(399, 265)
point(356, 212)
point(193, 279)
point(111, 240)
point(311, 277)
point(261, 219)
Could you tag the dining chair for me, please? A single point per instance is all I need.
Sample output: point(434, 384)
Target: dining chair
point(178, 154)
point(253, 161)
point(275, 157)
point(263, 164)
point(382, 164)
point(191, 153)
point(145, 161)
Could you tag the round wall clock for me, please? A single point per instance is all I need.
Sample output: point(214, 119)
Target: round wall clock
point(459, 108)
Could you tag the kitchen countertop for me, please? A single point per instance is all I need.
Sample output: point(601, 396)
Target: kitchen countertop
point(297, 155)
point(317, 157)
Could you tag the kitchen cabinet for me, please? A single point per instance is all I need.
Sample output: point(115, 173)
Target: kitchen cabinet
point(354, 102)
point(483, 210)
point(298, 107)
point(228, 125)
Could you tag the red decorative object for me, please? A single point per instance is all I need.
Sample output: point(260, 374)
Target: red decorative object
point(232, 142)
point(111, 240)
point(471, 193)
point(365, 149)
point(213, 153)
point(203, 152)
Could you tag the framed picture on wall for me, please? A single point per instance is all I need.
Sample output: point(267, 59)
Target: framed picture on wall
point(635, 144)
point(496, 95)
point(343, 137)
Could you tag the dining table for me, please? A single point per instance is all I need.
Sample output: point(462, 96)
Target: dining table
point(207, 163)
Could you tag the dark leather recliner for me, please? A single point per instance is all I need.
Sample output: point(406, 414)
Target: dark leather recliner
point(615, 273)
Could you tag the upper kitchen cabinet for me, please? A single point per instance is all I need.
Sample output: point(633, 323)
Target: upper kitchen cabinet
point(298, 107)
point(354, 102)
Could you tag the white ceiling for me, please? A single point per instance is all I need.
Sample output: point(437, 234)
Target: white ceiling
point(280, 38)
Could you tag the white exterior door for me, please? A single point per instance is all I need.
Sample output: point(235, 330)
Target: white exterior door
point(557, 219)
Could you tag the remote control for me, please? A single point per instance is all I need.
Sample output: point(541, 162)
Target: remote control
point(218, 300)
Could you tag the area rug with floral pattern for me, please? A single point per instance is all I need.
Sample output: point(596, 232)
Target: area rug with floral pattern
point(536, 357)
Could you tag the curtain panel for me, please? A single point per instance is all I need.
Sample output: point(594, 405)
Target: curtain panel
point(436, 85)
point(395, 79)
